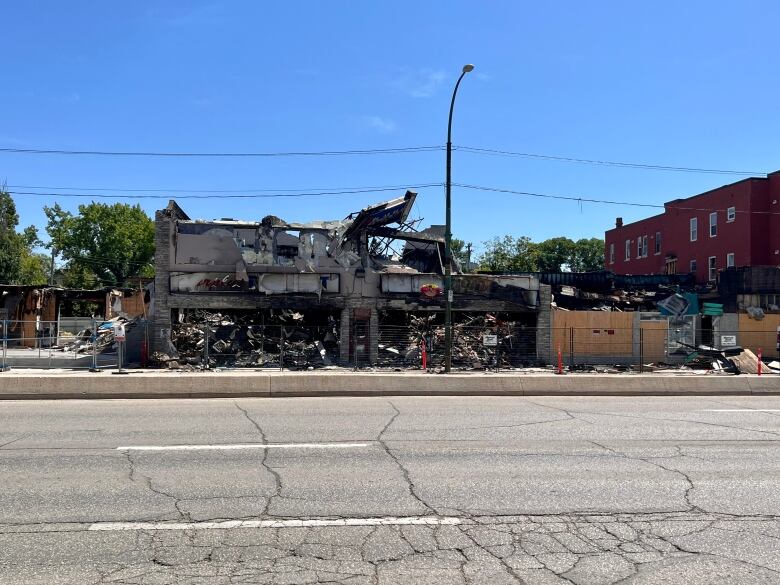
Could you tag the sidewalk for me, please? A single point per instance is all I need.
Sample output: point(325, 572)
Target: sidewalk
point(32, 384)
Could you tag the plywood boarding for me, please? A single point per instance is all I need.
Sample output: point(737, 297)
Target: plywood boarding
point(596, 333)
point(654, 335)
point(758, 334)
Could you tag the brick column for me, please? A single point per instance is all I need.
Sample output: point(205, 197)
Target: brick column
point(373, 337)
point(161, 316)
point(345, 332)
point(544, 351)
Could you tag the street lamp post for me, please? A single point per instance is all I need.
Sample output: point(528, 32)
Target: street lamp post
point(448, 235)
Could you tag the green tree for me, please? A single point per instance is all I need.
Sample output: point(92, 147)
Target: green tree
point(509, 254)
point(588, 255)
point(555, 254)
point(106, 242)
point(12, 244)
point(34, 268)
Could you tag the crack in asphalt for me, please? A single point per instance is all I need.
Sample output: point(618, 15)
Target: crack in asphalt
point(404, 472)
point(264, 460)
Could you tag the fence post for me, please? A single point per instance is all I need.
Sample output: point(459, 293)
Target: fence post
point(560, 359)
point(205, 357)
point(4, 367)
point(94, 367)
point(281, 347)
point(759, 361)
point(641, 349)
point(571, 347)
point(354, 345)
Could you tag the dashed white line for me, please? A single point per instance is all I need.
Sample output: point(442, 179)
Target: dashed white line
point(236, 446)
point(742, 410)
point(292, 523)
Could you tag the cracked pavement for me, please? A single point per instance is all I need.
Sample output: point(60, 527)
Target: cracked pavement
point(597, 490)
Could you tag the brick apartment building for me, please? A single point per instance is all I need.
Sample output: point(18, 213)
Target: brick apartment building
point(734, 225)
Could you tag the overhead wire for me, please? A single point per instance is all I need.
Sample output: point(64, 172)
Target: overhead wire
point(228, 195)
point(612, 163)
point(399, 150)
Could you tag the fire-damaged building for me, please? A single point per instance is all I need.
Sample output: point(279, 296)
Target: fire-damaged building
point(355, 290)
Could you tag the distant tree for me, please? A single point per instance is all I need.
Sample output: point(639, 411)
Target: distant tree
point(588, 255)
point(103, 243)
point(35, 268)
point(555, 254)
point(509, 254)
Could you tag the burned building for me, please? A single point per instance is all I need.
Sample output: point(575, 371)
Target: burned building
point(360, 282)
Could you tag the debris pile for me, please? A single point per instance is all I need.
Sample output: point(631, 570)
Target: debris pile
point(234, 339)
point(83, 343)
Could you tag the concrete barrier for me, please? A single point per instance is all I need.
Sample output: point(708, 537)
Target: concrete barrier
point(156, 384)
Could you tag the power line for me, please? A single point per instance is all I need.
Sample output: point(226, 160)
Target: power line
point(400, 150)
point(230, 195)
point(496, 152)
point(301, 190)
point(605, 201)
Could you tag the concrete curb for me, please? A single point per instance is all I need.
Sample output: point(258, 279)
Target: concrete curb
point(287, 384)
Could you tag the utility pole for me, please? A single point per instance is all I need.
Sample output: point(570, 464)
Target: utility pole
point(448, 236)
point(468, 257)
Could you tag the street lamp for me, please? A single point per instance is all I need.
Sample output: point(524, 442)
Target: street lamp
point(448, 235)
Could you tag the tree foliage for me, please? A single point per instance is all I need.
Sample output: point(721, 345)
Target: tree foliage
point(11, 243)
point(103, 243)
point(510, 254)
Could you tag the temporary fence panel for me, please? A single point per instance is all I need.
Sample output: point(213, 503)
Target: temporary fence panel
point(654, 340)
point(44, 350)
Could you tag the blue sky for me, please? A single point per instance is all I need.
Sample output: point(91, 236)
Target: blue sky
point(686, 84)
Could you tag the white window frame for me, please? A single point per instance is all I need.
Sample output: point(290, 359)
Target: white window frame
point(712, 268)
point(644, 246)
point(694, 229)
point(731, 214)
point(713, 224)
point(730, 260)
point(639, 246)
point(657, 243)
point(692, 266)
point(612, 253)
point(628, 250)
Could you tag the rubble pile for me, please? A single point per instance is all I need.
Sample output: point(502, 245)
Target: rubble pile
point(222, 339)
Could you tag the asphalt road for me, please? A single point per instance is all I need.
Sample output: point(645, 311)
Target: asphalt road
point(495, 490)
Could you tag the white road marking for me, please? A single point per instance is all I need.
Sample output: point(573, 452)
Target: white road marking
point(229, 447)
point(233, 524)
point(742, 410)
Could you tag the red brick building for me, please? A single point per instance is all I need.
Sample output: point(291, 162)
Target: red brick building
point(733, 225)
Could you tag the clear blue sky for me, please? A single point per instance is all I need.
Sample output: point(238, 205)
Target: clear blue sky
point(690, 83)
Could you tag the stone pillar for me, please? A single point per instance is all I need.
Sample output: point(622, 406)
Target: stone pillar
point(544, 351)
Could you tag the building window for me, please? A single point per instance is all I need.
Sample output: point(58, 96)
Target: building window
point(731, 214)
point(730, 260)
point(693, 266)
point(713, 224)
point(612, 253)
point(644, 246)
point(657, 249)
point(713, 267)
point(639, 247)
point(694, 229)
point(628, 250)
